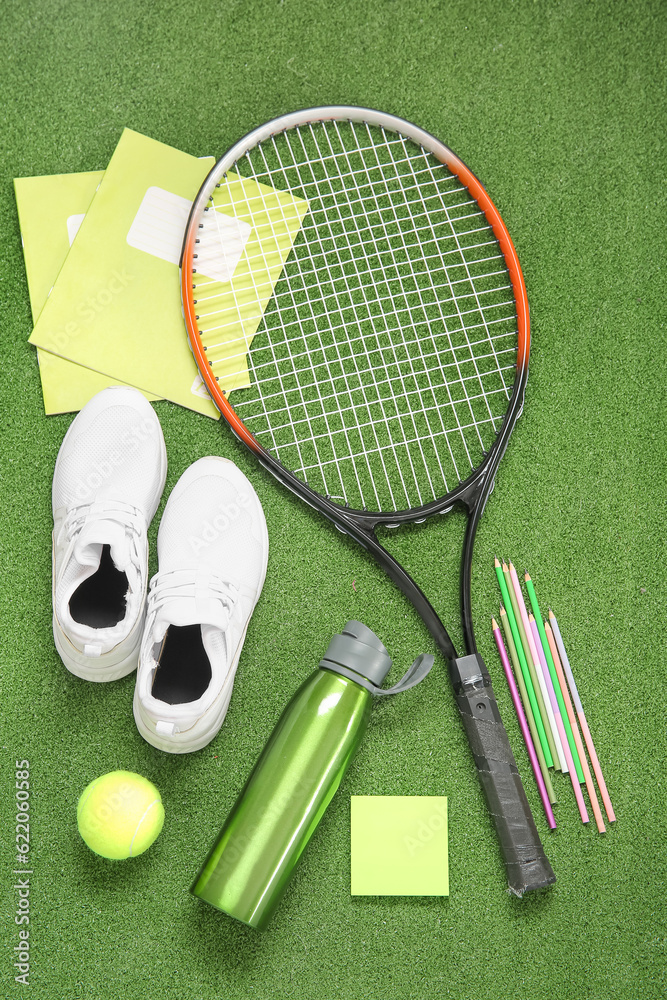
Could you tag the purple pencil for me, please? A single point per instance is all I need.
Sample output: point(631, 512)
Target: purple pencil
point(524, 725)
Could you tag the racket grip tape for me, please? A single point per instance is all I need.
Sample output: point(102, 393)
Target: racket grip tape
point(527, 866)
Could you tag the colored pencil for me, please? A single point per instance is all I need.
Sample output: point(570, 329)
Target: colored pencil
point(571, 769)
point(522, 650)
point(524, 726)
point(597, 770)
point(523, 691)
point(528, 681)
point(544, 644)
point(553, 701)
point(531, 656)
point(575, 730)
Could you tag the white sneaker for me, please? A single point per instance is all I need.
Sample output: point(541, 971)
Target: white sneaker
point(213, 548)
point(107, 483)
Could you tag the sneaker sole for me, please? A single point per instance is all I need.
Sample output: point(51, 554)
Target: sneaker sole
point(198, 736)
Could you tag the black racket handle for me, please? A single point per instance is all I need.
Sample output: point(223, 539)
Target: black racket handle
point(526, 863)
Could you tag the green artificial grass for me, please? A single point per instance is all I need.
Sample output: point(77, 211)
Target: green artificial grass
point(560, 110)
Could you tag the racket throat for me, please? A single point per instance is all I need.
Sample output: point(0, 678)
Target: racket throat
point(407, 586)
point(475, 502)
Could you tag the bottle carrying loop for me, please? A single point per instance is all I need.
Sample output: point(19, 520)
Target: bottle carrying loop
point(416, 673)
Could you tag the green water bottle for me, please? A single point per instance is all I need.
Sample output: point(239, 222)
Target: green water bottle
point(297, 775)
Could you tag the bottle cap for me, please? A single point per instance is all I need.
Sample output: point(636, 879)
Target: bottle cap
point(358, 649)
point(357, 653)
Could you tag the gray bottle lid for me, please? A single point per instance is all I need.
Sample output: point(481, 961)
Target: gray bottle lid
point(360, 650)
point(357, 653)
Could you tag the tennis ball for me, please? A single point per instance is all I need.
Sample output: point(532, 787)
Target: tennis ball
point(120, 814)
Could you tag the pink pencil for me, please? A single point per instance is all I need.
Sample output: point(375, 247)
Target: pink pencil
point(542, 788)
point(582, 719)
point(561, 732)
point(575, 730)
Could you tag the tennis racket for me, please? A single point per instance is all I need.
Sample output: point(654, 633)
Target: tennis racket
point(361, 274)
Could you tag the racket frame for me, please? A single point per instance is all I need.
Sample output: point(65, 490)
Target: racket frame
point(473, 491)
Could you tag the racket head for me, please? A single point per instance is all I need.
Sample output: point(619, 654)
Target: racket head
point(394, 347)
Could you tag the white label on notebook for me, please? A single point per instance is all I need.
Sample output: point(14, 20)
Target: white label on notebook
point(221, 242)
point(159, 226)
point(73, 223)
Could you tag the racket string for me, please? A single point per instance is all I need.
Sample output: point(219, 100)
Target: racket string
point(445, 381)
point(480, 308)
point(342, 429)
point(390, 322)
point(281, 392)
point(392, 399)
point(215, 242)
point(332, 327)
point(407, 161)
point(330, 314)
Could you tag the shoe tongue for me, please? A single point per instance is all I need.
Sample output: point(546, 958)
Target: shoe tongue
point(95, 534)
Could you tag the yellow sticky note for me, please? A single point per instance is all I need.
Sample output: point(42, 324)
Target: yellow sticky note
point(116, 305)
point(399, 845)
point(50, 211)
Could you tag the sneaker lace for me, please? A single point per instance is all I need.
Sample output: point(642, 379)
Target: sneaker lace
point(189, 584)
point(104, 510)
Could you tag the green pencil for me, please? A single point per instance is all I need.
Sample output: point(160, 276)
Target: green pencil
point(550, 754)
point(518, 673)
point(554, 677)
point(530, 687)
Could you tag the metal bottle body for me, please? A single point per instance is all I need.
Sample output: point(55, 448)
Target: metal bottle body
point(285, 797)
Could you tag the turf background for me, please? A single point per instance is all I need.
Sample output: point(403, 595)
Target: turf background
point(560, 109)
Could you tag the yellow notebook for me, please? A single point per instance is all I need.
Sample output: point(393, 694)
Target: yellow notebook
point(116, 306)
point(50, 211)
